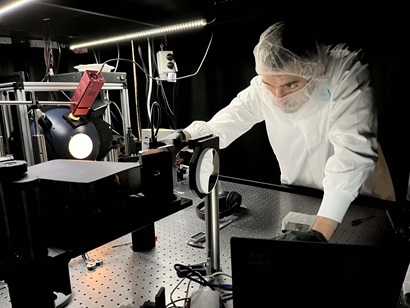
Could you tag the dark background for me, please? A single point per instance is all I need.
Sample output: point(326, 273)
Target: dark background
point(234, 27)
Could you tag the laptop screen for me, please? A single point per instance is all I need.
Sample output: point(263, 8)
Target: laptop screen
point(277, 273)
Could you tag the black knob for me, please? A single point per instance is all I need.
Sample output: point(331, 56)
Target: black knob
point(12, 170)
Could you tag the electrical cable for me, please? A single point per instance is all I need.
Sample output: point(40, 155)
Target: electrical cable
point(202, 61)
point(166, 100)
point(96, 58)
point(175, 301)
point(118, 56)
point(137, 108)
point(172, 293)
point(149, 92)
point(187, 272)
point(47, 51)
point(143, 68)
point(154, 60)
point(150, 78)
point(167, 109)
point(147, 74)
point(187, 298)
point(158, 107)
point(119, 112)
point(46, 131)
point(58, 61)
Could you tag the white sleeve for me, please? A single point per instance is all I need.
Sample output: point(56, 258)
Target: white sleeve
point(353, 134)
point(232, 121)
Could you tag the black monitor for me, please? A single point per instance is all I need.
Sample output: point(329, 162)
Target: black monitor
point(278, 273)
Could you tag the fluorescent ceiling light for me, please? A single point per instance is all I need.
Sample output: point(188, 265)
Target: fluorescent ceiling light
point(142, 34)
point(13, 6)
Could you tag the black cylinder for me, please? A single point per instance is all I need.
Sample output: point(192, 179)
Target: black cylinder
point(24, 253)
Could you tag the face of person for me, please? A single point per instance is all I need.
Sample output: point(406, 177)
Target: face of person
point(282, 85)
point(287, 92)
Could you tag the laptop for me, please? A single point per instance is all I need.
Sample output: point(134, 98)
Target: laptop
point(278, 273)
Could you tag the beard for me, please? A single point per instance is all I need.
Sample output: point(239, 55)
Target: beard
point(291, 102)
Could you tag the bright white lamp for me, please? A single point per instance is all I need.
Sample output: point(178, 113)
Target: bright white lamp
point(80, 146)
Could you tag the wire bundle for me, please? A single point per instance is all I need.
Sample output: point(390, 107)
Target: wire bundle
point(187, 272)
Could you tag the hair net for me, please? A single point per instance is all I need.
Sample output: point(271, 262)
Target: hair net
point(272, 58)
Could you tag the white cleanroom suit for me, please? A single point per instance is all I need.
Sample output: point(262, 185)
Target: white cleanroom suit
point(330, 143)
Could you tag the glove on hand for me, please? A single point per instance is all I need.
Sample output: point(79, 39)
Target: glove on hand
point(309, 236)
point(176, 138)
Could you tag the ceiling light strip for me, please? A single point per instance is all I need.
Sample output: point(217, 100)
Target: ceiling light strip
point(11, 7)
point(143, 34)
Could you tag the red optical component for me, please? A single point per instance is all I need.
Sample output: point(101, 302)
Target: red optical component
point(87, 90)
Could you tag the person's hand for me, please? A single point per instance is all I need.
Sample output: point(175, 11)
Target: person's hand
point(309, 236)
point(176, 138)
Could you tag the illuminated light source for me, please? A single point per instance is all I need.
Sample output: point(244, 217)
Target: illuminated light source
point(145, 33)
point(80, 146)
point(13, 6)
point(90, 140)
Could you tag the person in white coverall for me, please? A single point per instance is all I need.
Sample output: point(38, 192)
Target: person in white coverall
point(317, 105)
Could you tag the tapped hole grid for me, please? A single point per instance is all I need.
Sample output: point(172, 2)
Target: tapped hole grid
point(128, 279)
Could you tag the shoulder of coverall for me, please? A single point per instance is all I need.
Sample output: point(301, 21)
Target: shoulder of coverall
point(341, 55)
point(250, 96)
point(256, 81)
point(342, 64)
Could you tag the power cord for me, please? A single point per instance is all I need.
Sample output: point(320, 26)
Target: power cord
point(187, 272)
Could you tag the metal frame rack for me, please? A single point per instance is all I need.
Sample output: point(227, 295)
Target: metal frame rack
point(19, 91)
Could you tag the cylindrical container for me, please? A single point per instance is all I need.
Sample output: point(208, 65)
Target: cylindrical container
point(24, 252)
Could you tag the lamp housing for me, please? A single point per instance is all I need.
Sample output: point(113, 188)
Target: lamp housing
point(89, 141)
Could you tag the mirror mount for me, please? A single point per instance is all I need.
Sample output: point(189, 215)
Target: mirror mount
point(203, 179)
point(201, 159)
